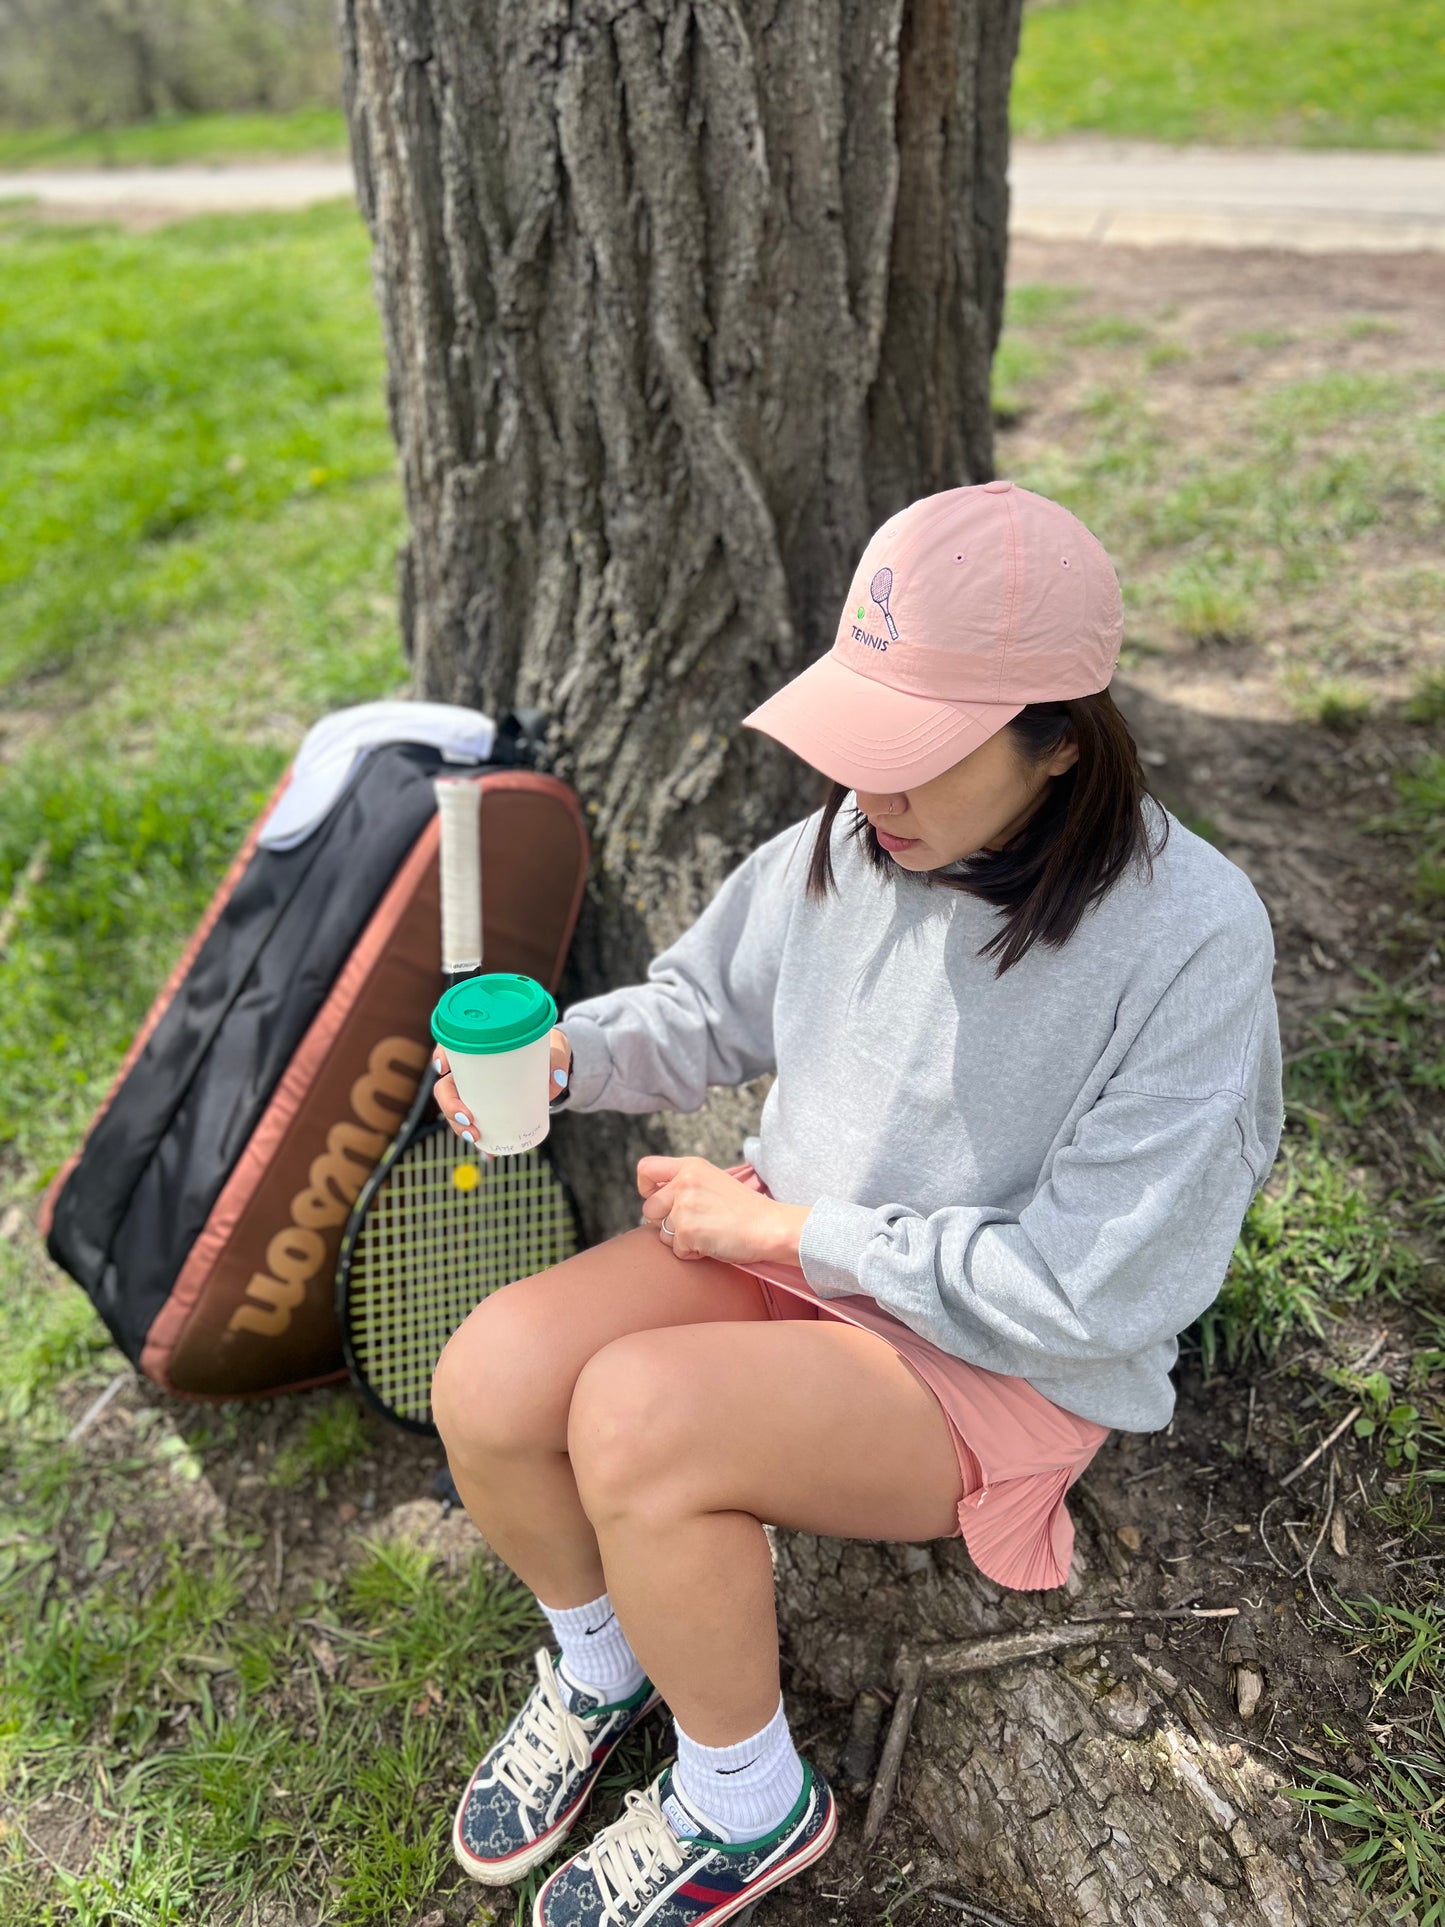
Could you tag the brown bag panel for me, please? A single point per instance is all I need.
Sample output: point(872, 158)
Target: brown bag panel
point(253, 1309)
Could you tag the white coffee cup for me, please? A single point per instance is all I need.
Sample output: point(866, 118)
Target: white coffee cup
point(496, 1031)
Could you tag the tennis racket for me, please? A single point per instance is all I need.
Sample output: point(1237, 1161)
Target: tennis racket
point(437, 1226)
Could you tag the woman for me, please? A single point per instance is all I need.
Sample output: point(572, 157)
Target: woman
point(1027, 1083)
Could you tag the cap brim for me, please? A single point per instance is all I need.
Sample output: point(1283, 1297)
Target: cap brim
point(869, 736)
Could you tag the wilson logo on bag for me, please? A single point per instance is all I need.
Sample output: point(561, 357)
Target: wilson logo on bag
point(300, 1253)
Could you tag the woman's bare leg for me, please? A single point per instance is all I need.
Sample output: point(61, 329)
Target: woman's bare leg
point(504, 1385)
point(684, 1439)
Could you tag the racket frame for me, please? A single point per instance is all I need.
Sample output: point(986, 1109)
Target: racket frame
point(414, 1126)
point(421, 1121)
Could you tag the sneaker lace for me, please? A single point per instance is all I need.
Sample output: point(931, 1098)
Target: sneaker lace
point(627, 1858)
point(545, 1734)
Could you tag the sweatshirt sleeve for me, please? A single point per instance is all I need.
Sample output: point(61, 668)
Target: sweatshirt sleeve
point(705, 1014)
point(1128, 1237)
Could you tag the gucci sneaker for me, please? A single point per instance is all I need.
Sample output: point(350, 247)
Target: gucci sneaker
point(642, 1872)
point(524, 1798)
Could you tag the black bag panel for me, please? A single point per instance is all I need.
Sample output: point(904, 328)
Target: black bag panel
point(155, 1163)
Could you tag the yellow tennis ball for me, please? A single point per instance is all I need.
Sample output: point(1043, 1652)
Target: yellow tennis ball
point(466, 1177)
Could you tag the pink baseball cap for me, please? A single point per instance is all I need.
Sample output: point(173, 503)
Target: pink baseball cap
point(966, 606)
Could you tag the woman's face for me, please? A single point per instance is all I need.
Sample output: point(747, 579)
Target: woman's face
point(977, 805)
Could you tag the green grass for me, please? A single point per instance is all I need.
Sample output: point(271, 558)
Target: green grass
point(168, 402)
point(1313, 1242)
point(1427, 700)
point(331, 1439)
point(178, 138)
point(1420, 819)
point(1313, 73)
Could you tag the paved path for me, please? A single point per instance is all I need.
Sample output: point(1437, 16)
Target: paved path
point(1205, 197)
point(1229, 197)
point(175, 190)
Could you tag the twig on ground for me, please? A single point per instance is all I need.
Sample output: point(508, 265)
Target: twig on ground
point(1294, 1539)
point(1368, 1357)
point(916, 1667)
point(969, 1911)
point(1333, 1617)
point(885, 1783)
point(1288, 1571)
point(1323, 1446)
point(93, 1411)
point(1248, 1423)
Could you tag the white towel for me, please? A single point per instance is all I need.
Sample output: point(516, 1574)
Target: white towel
point(334, 748)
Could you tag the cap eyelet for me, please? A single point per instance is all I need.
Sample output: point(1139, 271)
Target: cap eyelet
point(960, 558)
point(1063, 562)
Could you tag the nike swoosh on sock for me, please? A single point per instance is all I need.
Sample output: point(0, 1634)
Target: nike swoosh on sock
point(739, 1769)
point(606, 1622)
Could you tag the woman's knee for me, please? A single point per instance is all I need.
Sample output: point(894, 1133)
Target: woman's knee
point(630, 1426)
point(496, 1389)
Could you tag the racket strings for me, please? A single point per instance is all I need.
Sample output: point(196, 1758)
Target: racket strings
point(442, 1232)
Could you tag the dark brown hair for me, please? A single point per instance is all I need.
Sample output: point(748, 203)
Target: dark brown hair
point(1088, 829)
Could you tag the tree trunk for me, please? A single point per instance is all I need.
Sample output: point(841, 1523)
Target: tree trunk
point(680, 302)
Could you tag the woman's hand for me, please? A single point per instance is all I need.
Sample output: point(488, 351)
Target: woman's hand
point(711, 1215)
point(455, 1112)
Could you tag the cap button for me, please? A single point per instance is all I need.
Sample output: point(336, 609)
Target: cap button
point(997, 488)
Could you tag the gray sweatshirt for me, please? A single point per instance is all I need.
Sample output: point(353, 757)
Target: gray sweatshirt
point(1043, 1173)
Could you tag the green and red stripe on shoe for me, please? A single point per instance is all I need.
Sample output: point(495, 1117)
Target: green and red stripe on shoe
point(640, 1872)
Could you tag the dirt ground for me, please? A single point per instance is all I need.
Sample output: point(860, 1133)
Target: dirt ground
point(1198, 1512)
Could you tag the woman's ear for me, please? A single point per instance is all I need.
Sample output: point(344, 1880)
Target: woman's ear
point(1064, 757)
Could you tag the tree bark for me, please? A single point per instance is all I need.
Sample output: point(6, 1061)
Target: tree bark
point(682, 298)
point(1086, 1790)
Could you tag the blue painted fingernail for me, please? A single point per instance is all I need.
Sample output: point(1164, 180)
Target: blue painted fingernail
point(559, 1077)
point(467, 1138)
point(461, 1117)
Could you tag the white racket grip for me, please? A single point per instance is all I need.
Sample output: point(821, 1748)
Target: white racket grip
point(459, 804)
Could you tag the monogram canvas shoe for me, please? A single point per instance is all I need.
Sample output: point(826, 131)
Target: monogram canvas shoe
point(643, 1872)
point(524, 1798)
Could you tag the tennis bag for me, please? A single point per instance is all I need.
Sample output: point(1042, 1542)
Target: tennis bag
point(204, 1212)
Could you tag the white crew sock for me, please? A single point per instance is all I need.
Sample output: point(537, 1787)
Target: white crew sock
point(595, 1651)
point(747, 1789)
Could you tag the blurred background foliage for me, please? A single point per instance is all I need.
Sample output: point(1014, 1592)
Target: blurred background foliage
point(109, 63)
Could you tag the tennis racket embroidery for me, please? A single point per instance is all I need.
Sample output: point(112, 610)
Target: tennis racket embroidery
point(880, 588)
point(437, 1227)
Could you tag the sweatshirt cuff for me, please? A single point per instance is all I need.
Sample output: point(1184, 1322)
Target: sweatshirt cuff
point(830, 1250)
point(591, 1059)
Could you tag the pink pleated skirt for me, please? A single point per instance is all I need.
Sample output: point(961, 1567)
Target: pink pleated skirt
point(1018, 1453)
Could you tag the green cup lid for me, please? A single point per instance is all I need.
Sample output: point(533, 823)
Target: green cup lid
point(484, 1015)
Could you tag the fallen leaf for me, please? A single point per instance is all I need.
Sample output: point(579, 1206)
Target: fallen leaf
point(1131, 1537)
point(1339, 1540)
point(324, 1654)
